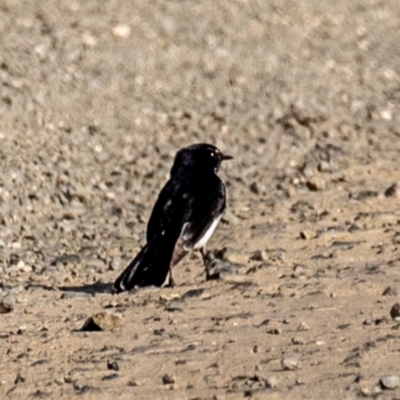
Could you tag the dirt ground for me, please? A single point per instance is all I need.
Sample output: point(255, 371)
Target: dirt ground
point(96, 97)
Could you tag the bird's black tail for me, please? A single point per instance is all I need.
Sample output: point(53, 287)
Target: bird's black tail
point(150, 267)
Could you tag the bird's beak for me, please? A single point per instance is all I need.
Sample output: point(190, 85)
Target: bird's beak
point(226, 157)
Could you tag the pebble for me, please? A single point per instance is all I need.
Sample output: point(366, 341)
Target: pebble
point(21, 266)
point(259, 255)
point(112, 365)
point(303, 327)
point(324, 166)
point(102, 321)
point(122, 31)
point(21, 329)
point(254, 188)
point(275, 331)
point(306, 234)
point(393, 190)
point(235, 258)
point(110, 377)
point(218, 269)
point(316, 183)
point(271, 382)
point(88, 39)
point(290, 364)
point(7, 303)
point(389, 382)
point(395, 312)
point(389, 291)
point(298, 340)
point(231, 218)
point(19, 379)
point(168, 379)
point(300, 270)
point(367, 391)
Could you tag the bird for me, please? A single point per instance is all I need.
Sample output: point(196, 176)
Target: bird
point(184, 217)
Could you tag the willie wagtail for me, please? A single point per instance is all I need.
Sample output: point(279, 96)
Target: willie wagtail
point(184, 217)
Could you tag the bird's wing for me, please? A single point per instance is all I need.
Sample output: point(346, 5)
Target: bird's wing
point(168, 209)
point(202, 211)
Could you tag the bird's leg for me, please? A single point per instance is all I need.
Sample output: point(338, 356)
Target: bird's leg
point(203, 253)
point(170, 280)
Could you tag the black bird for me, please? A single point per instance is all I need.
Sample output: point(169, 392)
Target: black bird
point(184, 217)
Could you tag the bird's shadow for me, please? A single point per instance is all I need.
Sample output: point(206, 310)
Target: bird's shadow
point(92, 289)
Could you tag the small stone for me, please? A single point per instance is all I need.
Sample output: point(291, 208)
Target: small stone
point(324, 166)
point(116, 264)
point(271, 382)
point(259, 255)
point(368, 391)
point(316, 183)
point(21, 266)
point(393, 190)
point(300, 382)
point(168, 379)
point(133, 382)
point(113, 365)
point(386, 115)
point(275, 331)
point(320, 343)
point(7, 303)
point(366, 194)
point(110, 377)
point(300, 270)
point(235, 258)
point(102, 321)
point(303, 327)
point(306, 234)
point(88, 39)
point(380, 321)
point(231, 218)
point(254, 188)
point(389, 382)
point(19, 379)
point(298, 340)
point(395, 312)
point(122, 31)
point(21, 329)
point(218, 269)
point(389, 291)
point(43, 361)
point(290, 364)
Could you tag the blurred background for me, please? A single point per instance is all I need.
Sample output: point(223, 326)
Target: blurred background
point(97, 96)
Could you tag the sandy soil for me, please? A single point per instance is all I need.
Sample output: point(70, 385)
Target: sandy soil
point(97, 96)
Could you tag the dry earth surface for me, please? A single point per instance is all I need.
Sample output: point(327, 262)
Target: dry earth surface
point(95, 99)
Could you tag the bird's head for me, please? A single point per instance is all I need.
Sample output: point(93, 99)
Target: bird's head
point(201, 158)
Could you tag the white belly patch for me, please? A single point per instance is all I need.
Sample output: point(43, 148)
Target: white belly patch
point(204, 239)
